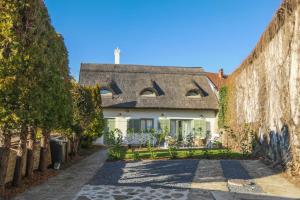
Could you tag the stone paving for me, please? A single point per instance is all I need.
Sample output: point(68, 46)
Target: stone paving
point(163, 179)
point(129, 192)
point(177, 179)
point(69, 182)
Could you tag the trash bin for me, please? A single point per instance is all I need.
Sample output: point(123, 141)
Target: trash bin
point(58, 151)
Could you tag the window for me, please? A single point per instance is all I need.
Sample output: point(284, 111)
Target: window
point(180, 128)
point(134, 125)
point(149, 92)
point(105, 92)
point(146, 124)
point(137, 125)
point(193, 94)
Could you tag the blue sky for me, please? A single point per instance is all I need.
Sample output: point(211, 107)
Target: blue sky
point(206, 33)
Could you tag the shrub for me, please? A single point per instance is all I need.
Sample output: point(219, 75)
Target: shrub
point(190, 138)
point(116, 152)
point(150, 146)
point(217, 144)
point(136, 155)
point(173, 152)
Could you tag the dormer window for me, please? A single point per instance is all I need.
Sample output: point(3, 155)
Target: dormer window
point(194, 94)
point(105, 92)
point(148, 92)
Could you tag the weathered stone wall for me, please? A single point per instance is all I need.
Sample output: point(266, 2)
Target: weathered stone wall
point(264, 92)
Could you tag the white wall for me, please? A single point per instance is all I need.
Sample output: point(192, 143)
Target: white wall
point(122, 115)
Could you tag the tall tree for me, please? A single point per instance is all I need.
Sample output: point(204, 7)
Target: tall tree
point(34, 79)
point(31, 31)
point(96, 127)
point(10, 64)
point(56, 100)
point(84, 113)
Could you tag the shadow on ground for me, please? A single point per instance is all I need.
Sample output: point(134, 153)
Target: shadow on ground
point(173, 175)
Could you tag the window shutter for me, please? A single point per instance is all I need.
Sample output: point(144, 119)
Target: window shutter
point(110, 125)
point(200, 127)
point(137, 125)
point(130, 125)
point(134, 124)
point(164, 124)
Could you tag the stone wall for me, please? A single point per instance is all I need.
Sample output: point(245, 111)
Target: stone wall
point(264, 92)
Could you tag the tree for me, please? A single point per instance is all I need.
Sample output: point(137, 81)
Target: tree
point(56, 101)
point(34, 79)
point(30, 30)
point(96, 126)
point(83, 110)
point(12, 59)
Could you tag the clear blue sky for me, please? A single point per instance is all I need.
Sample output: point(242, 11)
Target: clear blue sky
point(206, 33)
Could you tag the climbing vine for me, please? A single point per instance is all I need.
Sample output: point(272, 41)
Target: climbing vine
point(223, 98)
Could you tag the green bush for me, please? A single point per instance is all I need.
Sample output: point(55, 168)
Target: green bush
point(173, 152)
point(136, 155)
point(116, 152)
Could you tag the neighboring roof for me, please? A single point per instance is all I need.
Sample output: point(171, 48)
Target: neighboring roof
point(215, 79)
point(170, 83)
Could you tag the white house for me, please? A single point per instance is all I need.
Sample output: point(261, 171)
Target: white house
point(139, 97)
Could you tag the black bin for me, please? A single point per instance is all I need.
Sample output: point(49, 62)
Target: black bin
point(57, 148)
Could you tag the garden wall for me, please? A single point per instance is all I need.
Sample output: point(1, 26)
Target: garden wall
point(264, 92)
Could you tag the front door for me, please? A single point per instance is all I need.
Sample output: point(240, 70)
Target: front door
point(180, 128)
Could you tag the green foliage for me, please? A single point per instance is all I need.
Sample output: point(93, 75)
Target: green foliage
point(110, 137)
point(183, 153)
point(161, 136)
point(172, 147)
point(116, 152)
point(136, 155)
point(34, 73)
point(173, 152)
point(223, 106)
point(190, 139)
point(217, 144)
point(206, 155)
point(95, 127)
point(150, 143)
point(87, 122)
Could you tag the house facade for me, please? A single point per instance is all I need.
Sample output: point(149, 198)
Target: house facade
point(139, 98)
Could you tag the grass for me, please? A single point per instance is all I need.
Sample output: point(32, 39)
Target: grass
point(184, 153)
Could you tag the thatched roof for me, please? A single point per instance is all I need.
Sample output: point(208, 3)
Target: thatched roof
point(170, 84)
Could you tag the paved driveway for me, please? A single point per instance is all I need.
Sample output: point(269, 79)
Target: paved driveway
point(178, 179)
point(141, 180)
point(164, 179)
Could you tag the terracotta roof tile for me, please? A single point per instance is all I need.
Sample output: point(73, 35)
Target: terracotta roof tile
point(215, 79)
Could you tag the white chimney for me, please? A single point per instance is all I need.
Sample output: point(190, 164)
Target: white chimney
point(117, 56)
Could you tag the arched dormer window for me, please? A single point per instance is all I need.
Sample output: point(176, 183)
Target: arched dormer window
point(106, 92)
point(194, 94)
point(148, 92)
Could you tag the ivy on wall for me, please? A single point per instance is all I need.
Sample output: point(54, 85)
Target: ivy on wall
point(223, 98)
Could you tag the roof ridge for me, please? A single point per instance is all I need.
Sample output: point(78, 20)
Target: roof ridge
point(142, 65)
point(124, 68)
